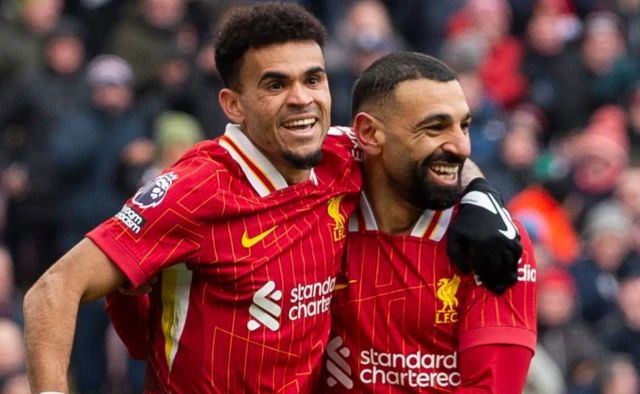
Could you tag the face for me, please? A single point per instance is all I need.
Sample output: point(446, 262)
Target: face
point(284, 105)
point(426, 141)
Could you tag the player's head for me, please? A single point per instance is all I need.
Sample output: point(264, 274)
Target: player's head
point(412, 121)
point(270, 59)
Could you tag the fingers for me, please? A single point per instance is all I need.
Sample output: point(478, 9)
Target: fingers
point(457, 253)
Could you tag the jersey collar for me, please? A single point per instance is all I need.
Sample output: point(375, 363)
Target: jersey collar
point(262, 175)
point(431, 224)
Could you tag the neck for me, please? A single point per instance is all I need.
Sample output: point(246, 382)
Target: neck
point(293, 176)
point(393, 214)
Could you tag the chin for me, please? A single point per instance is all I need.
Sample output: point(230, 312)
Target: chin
point(304, 161)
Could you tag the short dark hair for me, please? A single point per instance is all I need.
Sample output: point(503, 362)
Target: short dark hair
point(378, 82)
point(259, 26)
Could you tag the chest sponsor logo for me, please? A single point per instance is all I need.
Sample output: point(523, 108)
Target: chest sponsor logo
point(131, 218)
point(337, 367)
point(248, 242)
point(339, 220)
point(264, 310)
point(447, 290)
point(307, 301)
point(418, 370)
point(152, 194)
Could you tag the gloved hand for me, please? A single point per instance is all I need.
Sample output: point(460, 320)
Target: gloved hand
point(484, 238)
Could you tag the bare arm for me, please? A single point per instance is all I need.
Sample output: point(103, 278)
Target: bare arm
point(470, 171)
point(83, 275)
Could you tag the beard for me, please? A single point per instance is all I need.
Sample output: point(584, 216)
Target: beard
point(424, 193)
point(306, 162)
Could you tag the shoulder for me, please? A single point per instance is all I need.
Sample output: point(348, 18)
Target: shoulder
point(343, 139)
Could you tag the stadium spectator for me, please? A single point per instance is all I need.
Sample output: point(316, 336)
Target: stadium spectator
point(35, 105)
point(627, 192)
point(618, 375)
point(86, 148)
point(146, 34)
point(621, 331)
point(608, 254)
point(12, 355)
point(364, 35)
point(490, 21)
point(562, 332)
point(21, 38)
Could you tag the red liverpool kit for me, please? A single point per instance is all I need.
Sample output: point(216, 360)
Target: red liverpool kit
point(403, 313)
point(247, 266)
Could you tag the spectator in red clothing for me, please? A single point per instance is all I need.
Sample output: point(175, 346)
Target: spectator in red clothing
point(500, 69)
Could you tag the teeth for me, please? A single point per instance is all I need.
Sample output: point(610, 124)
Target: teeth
point(445, 169)
point(301, 122)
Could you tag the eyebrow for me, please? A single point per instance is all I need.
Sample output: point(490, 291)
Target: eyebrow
point(440, 118)
point(282, 76)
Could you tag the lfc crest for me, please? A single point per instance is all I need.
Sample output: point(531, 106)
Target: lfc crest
point(334, 211)
point(447, 289)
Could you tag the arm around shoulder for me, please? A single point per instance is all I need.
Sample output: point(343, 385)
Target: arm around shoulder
point(82, 275)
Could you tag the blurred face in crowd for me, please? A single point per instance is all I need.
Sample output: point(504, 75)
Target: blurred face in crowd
point(555, 306)
point(622, 378)
point(520, 147)
point(608, 250)
point(164, 13)
point(602, 47)
point(421, 141)
point(543, 34)
point(112, 98)
point(284, 103)
point(491, 18)
point(369, 30)
point(65, 54)
point(42, 15)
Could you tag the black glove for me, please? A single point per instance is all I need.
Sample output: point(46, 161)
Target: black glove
point(484, 238)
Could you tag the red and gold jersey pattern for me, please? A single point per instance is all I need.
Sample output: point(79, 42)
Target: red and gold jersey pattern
point(403, 312)
point(247, 265)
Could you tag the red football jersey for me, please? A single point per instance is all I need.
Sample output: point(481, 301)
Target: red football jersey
point(403, 312)
point(247, 265)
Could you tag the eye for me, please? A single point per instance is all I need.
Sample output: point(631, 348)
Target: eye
point(276, 85)
point(314, 80)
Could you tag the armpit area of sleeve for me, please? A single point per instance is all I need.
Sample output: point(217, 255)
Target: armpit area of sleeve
point(499, 335)
point(119, 255)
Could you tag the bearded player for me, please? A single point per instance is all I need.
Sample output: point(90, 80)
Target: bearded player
point(404, 318)
point(246, 232)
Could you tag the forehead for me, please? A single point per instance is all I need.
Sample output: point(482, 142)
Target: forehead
point(417, 98)
point(291, 58)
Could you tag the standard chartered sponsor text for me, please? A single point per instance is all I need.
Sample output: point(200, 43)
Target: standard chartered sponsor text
point(409, 370)
point(313, 299)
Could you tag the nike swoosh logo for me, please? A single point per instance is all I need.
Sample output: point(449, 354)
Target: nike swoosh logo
point(249, 242)
point(510, 232)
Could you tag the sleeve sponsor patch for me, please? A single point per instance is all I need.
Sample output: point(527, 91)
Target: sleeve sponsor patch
point(131, 218)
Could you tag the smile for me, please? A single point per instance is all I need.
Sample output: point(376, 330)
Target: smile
point(445, 173)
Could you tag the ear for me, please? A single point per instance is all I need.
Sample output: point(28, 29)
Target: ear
point(369, 133)
point(231, 105)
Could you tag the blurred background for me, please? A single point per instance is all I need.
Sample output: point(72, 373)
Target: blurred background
point(98, 96)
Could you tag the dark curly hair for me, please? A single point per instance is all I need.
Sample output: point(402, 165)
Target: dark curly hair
point(378, 83)
point(259, 26)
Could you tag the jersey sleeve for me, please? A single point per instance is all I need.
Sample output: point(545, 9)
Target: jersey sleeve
point(508, 319)
point(494, 369)
point(159, 226)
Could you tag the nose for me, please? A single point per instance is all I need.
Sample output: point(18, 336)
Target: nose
point(299, 95)
point(458, 142)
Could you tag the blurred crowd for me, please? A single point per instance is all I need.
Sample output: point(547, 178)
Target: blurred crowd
point(98, 96)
